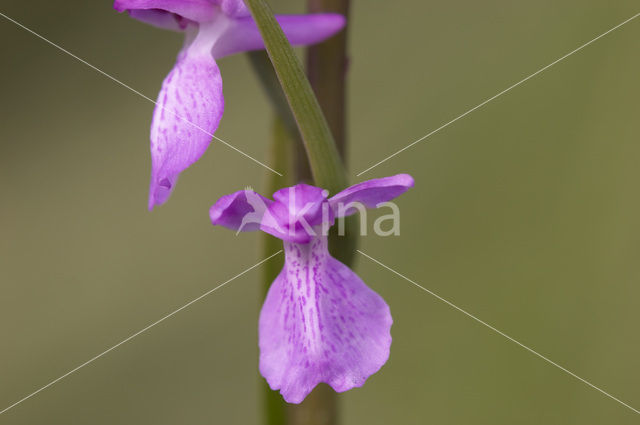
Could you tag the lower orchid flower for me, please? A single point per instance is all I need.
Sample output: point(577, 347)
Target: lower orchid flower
point(319, 322)
point(190, 103)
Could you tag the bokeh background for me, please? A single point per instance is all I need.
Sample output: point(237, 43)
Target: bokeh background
point(525, 213)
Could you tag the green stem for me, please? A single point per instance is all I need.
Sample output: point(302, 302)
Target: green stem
point(326, 165)
point(269, 81)
point(271, 86)
point(282, 158)
point(326, 69)
point(327, 65)
point(321, 406)
point(287, 153)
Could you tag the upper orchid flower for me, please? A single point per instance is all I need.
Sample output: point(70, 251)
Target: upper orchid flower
point(190, 103)
point(319, 322)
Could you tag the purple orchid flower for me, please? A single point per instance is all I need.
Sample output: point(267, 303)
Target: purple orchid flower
point(319, 322)
point(190, 103)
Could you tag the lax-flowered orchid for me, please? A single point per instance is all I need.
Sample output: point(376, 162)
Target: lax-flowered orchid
point(319, 322)
point(190, 103)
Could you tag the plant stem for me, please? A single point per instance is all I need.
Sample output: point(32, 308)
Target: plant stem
point(269, 81)
point(327, 66)
point(325, 159)
point(319, 408)
point(271, 86)
point(327, 71)
point(287, 153)
point(326, 165)
point(282, 158)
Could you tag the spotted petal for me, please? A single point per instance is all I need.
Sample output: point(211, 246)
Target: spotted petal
point(320, 323)
point(187, 113)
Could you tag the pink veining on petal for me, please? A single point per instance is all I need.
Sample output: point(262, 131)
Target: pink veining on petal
point(188, 111)
point(320, 323)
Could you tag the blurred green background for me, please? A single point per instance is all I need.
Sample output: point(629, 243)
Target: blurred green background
point(525, 213)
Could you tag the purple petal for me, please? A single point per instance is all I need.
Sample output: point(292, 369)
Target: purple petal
point(302, 200)
point(277, 222)
point(189, 108)
point(320, 323)
point(297, 213)
point(234, 8)
point(240, 211)
point(243, 35)
point(371, 193)
point(160, 19)
point(195, 10)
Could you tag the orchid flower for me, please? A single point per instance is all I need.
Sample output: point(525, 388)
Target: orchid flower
point(319, 322)
point(190, 103)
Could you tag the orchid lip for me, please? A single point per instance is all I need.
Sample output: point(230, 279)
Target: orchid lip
point(320, 323)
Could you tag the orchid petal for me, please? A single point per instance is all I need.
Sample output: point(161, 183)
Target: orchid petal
point(278, 223)
point(234, 8)
point(320, 323)
point(240, 211)
point(187, 113)
point(297, 213)
point(302, 200)
point(160, 19)
point(243, 35)
point(371, 193)
point(195, 10)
